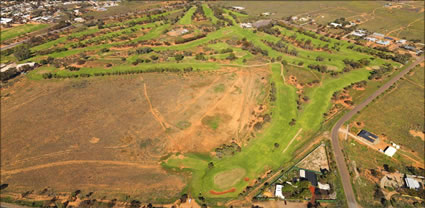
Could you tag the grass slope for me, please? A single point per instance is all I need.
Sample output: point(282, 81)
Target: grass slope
point(14, 32)
point(187, 18)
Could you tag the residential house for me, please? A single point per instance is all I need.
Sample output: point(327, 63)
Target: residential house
point(383, 42)
point(238, 7)
point(309, 175)
point(246, 25)
point(333, 24)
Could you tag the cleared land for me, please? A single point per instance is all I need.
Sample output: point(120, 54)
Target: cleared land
point(66, 128)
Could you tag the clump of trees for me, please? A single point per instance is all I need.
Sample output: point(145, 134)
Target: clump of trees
point(227, 150)
point(144, 50)
point(378, 73)
point(181, 40)
point(320, 68)
point(22, 52)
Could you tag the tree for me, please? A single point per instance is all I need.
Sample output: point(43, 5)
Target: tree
point(154, 57)
point(179, 57)
point(210, 165)
point(231, 57)
point(276, 145)
point(22, 52)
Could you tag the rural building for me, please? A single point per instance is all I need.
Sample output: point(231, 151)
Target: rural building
point(5, 21)
point(379, 35)
point(309, 175)
point(246, 25)
point(261, 23)
point(358, 34)
point(303, 19)
point(278, 191)
point(368, 136)
point(326, 187)
point(370, 39)
point(238, 7)
point(29, 65)
point(389, 38)
point(411, 183)
point(79, 19)
point(333, 24)
point(266, 14)
point(390, 151)
point(408, 47)
point(402, 41)
point(383, 42)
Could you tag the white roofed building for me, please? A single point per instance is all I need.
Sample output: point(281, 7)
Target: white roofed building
point(278, 191)
point(390, 151)
point(411, 183)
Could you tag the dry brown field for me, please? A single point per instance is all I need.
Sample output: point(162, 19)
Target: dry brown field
point(108, 134)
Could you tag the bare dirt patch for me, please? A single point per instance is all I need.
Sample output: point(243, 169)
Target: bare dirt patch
point(417, 134)
point(94, 140)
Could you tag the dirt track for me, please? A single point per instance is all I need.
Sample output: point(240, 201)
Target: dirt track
point(339, 156)
point(78, 162)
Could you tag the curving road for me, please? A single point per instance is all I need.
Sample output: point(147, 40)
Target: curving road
point(339, 157)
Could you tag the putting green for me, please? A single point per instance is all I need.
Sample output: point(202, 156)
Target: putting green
point(228, 178)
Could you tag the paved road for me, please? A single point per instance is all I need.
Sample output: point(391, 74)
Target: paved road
point(23, 41)
point(339, 157)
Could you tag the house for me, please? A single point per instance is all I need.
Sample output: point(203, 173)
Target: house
point(303, 19)
point(402, 41)
point(368, 136)
point(5, 21)
point(309, 175)
point(238, 7)
point(383, 42)
point(21, 67)
point(335, 24)
point(246, 25)
point(326, 187)
point(358, 34)
point(408, 47)
point(261, 23)
point(5, 68)
point(378, 35)
point(411, 183)
point(265, 14)
point(390, 151)
point(79, 19)
point(278, 191)
point(294, 18)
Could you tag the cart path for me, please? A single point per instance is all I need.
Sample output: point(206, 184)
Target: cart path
point(337, 149)
point(292, 140)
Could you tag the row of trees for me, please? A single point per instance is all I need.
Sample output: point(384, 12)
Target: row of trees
point(136, 71)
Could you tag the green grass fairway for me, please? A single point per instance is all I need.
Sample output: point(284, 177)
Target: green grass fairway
point(209, 13)
point(187, 18)
point(14, 32)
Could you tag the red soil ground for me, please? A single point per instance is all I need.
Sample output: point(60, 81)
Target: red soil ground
point(222, 192)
